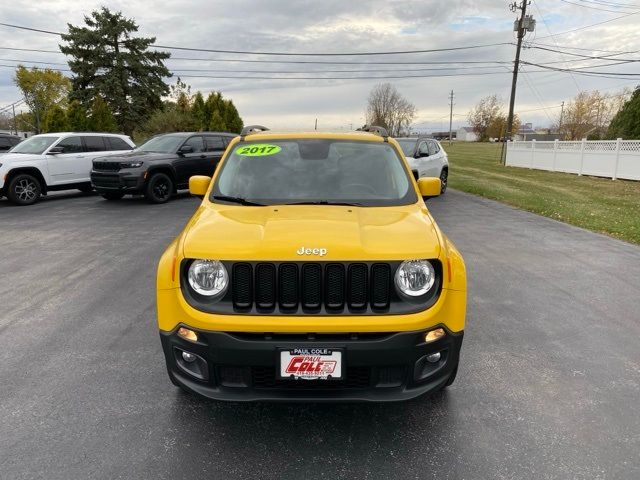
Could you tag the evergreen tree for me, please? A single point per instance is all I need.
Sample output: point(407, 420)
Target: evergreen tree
point(55, 120)
point(107, 60)
point(626, 123)
point(217, 122)
point(232, 118)
point(198, 112)
point(77, 117)
point(101, 119)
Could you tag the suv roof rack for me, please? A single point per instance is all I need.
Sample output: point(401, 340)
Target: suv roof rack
point(249, 129)
point(375, 129)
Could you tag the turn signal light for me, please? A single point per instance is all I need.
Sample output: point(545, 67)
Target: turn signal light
point(434, 335)
point(188, 334)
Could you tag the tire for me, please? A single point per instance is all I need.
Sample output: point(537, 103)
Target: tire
point(159, 188)
point(24, 189)
point(112, 195)
point(444, 178)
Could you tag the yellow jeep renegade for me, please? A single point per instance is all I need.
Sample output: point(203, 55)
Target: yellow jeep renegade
point(312, 271)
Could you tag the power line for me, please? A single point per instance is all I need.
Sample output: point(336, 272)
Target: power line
point(558, 69)
point(590, 6)
point(591, 25)
point(296, 54)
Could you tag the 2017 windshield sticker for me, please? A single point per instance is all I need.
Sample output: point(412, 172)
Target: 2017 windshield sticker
point(258, 150)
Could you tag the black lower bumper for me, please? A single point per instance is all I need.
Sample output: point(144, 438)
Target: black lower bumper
point(376, 366)
point(126, 182)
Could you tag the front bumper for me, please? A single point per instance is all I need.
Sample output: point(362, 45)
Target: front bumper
point(127, 181)
point(377, 366)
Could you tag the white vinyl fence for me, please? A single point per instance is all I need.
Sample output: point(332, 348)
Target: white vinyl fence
point(600, 158)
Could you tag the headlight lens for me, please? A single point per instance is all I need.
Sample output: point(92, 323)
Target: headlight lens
point(415, 277)
point(131, 165)
point(208, 277)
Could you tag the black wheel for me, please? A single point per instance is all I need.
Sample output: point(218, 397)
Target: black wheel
point(112, 195)
point(24, 189)
point(159, 188)
point(444, 175)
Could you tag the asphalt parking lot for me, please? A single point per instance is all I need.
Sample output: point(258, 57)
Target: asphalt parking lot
point(548, 387)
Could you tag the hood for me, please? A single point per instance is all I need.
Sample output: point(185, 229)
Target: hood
point(279, 232)
point(133, 155)
point(21, 157)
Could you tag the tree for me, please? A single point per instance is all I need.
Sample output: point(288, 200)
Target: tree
point(55, 120)
point(25, 122)
point(488, 119)
point(232, 119)
point(42, 89)
point(217, 124)
point(387, 108)
point(77, 117)
point(626, 123)
point(108, 61)
point(169, 119)
point(589, 114)
point(181, 95)
point(199, 112)
point(101, 119)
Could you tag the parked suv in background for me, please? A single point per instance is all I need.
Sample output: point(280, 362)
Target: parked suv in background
point(161, 166)
point(7, 142)
point(427, 157)
point(54, 161)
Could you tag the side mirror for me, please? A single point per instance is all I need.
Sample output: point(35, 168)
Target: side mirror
point(185, 149)
point(429, 186)
point(55, 150)
point(199, 184)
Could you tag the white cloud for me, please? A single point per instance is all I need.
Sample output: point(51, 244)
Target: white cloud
point(339, 26)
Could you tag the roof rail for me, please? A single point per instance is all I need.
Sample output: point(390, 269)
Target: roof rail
point(375, 129)
point(249, 129)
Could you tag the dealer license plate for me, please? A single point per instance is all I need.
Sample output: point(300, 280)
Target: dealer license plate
point(311, 364)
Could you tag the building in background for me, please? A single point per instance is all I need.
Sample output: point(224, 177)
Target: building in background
point(466, 134)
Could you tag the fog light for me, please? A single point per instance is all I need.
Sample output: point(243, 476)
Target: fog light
point(433, 358)
point(188, 334)
point(434, 335)
point(190, 357)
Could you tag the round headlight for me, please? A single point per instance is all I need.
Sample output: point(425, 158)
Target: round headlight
point(415, 277)
point(208, 277)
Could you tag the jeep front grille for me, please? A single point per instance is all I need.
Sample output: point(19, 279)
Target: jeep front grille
point(310, 288)
point(288, 287)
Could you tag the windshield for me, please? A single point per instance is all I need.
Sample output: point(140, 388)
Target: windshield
point(35, 145)
point(408, 146)
point(313, 171)
point(162, 144)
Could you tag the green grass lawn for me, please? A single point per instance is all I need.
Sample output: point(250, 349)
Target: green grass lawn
point(599, 204)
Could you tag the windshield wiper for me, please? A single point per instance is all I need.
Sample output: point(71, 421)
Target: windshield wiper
point(326, 202)
point(239, 200)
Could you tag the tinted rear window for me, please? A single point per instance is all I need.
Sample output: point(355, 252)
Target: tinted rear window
point(116, 143)
point(94, 144)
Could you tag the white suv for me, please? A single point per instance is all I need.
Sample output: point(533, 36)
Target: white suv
point(55, 161)
point(426, 157)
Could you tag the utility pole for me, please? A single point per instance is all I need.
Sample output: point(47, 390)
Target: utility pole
point(561, 115)
point(522, 25)
point(15, 124)
point(450, 115)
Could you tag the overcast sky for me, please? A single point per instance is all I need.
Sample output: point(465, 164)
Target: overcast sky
point(336, 26)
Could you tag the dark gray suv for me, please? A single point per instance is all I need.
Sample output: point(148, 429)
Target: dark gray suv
point(161, 166)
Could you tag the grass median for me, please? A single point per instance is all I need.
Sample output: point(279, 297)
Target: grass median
point(598, 204)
